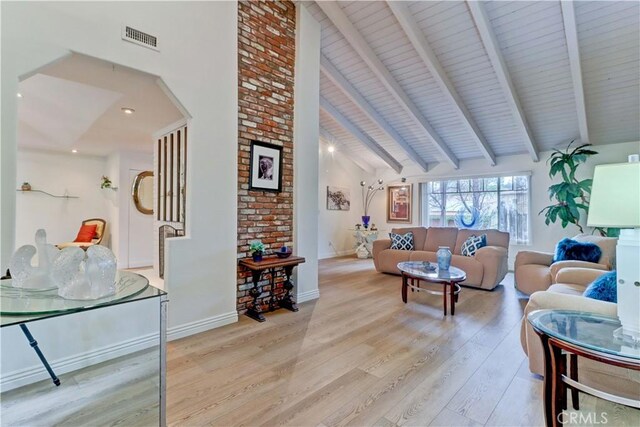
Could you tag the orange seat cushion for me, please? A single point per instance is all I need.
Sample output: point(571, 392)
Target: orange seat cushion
point(87, 233)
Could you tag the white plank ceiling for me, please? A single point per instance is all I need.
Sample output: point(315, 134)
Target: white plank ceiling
point(530, 37)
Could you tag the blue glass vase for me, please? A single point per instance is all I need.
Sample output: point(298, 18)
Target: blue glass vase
point(444, 257)
point(365, 221)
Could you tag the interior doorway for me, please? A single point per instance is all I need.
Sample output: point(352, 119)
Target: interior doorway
point(86, 129)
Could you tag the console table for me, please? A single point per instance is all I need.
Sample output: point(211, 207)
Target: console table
point(364, 241)
point(270, 265)
point(22, 307)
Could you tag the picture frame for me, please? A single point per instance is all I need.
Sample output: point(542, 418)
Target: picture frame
point(265, 167)
point(399, 203)
point(338, 198)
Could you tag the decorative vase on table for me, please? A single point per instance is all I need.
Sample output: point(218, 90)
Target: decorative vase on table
point(257, 256)
point(367, 195)
point(444, 257)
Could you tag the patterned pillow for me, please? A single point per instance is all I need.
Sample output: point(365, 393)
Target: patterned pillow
point(472, 244)
point(403, 242)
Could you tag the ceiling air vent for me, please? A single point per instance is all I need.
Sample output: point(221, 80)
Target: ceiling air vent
point(140, 38)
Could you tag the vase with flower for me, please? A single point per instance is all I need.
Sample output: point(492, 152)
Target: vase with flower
point(368, 192)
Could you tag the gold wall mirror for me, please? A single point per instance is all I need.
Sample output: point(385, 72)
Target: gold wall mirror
point(142, 192)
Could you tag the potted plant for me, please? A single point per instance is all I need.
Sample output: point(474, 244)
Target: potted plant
point(106, 182)
point(257, 250)
point(570, 196)
point(25, 186)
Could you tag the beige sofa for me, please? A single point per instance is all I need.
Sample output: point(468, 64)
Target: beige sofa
point(567, 295)
point(485, 269)
point(536, 271)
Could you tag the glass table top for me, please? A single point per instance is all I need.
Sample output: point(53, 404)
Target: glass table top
point(586, 330)
point(19, 305)
point(430, 271)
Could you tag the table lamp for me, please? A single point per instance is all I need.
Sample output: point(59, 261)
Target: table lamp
point(615, 202)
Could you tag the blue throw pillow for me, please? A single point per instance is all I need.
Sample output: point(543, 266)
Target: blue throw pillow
point(604, 288)
point(402, 242)
point(570, 250)
point(472, 244)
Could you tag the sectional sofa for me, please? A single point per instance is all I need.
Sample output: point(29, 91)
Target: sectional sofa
point(485, 269)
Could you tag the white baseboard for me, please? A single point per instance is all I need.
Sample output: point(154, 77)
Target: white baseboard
point(337, 254)
point(198, 326)
point(308, 296)
point(37, 372)
point(72, 363)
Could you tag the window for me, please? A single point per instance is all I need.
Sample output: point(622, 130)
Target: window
point(495, 202)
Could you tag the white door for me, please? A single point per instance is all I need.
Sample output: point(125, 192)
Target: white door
point(140, 239)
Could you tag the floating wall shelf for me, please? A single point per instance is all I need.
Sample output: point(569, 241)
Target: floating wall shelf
point(48, 194)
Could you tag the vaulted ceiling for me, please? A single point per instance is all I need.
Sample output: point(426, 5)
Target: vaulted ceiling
point(414, 83)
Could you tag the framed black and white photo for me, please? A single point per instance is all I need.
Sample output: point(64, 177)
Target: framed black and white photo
point(266, 167)
point(338, 198)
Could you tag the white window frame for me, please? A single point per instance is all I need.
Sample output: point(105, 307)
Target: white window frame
point(425, 189)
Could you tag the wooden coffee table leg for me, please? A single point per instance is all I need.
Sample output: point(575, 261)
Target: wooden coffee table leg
point(452, 298)
point(444, 297)
point(404, 288)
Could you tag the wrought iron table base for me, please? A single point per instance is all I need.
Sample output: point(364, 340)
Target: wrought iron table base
point(255, 311)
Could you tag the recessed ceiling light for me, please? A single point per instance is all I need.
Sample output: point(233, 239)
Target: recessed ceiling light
point(74, 151)
point(331, 148)
point(19, 95)
point(128, 110)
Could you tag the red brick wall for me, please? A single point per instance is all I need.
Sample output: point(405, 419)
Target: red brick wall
point(266, 58)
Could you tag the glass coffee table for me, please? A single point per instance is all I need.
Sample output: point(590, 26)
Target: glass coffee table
point(587, 335)
point(414, 272)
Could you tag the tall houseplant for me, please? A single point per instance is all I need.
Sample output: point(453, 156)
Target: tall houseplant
point(570, 196)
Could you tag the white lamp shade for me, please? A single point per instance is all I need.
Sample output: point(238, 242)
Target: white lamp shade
point(615, 196)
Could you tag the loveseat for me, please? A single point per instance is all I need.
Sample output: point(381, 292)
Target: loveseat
point(536, 271)
point(566, 294)
point(485, 269)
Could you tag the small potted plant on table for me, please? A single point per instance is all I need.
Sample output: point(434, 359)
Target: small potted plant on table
point(257, 250)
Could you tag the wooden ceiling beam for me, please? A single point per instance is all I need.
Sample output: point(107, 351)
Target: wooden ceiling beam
point(491, 45)
point(332, 73)
point(360, 135)
point(571, 34)
point(420, 44)
point(341, 21)
point(330, 139)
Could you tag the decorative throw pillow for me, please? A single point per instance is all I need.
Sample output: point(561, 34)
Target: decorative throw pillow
point(472, 244)
point(604, 288)
point(86, 233)
point(571, 250)
point(403, 242)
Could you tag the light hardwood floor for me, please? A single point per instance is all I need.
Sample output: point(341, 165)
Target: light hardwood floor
point(356, 356)
point(359, 356)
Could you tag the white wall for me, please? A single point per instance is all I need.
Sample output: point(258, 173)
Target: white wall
point(126, 161)
point(195, 39)
point(58, 173)
point(336, 169)
point(306, 133)
point(544, 237)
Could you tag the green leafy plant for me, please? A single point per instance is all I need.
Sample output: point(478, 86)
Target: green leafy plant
point(256, 246)
point(570, 196)
point(105, 182)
